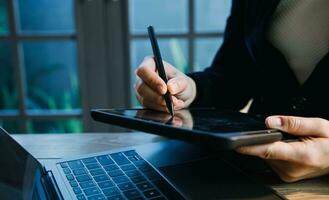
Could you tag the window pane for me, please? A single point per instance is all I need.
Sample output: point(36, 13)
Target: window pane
point(51, 75)
point(46, 16)
point(54, 126)
point(211, 15)
point(11, 126)
point(8, 92)
point(166, 16)
point(173, 51)
point(206, 50)
point(3, 17)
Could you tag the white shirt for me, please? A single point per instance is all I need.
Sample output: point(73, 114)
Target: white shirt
point(300, 31)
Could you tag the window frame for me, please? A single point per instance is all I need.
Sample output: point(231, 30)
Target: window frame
point(104, 61)
point(15, 38)
point(191, 35)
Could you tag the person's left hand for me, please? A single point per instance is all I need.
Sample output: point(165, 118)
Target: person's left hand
point(293, 161)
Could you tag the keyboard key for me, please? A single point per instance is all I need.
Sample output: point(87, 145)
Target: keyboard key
point(115, 173)
point(159, 198)
point(126, 186)
point(87, 184)
point(96, 172)
point(83, 178)
point(145, 168)
point(140, 162)
point(132, 158)
point(119, 158)
point(89, 160)
point(77, 190)
point(139, 198)
point(153, 175)
point(145, 186)
point(66, 170)
point(75, 164)
point(111, 167)
point(81, 197)
point(104, 160)
point(132, 194)
point(70, 177)
point(133, 173)
point(91, 191)
point(100, 178)
point(120, 179)
point(79, 171)
point(64, 165)
point(138, 179)
point(97, 197)
point(127, 167)
point(74, 184)
point(151, 193)
point(93, 166)
point(105, 184)
point(116, 197)
point(130, 153)
point(112, 191)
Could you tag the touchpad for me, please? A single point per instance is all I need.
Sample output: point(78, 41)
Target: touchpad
point(214, 178)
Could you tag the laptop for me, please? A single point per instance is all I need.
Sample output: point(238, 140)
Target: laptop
point(159, 171)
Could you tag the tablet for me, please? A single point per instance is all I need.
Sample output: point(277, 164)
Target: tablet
point(222, 129)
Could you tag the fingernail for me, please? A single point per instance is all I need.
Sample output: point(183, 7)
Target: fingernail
point(275, 122)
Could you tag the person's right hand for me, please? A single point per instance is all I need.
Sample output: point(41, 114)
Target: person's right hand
point(150, 88)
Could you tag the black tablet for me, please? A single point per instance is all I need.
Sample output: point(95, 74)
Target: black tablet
point(223, 129)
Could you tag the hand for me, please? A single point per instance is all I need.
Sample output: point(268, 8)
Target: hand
point(150, 88)
point(293, 161)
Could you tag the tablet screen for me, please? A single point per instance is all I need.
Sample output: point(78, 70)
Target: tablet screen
point(209, 120)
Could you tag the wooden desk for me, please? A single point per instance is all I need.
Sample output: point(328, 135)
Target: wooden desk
point(51, 146)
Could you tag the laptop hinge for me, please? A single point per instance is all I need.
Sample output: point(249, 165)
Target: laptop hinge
point(51, 187)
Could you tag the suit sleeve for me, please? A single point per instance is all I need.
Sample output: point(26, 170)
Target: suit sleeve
point(228, 82)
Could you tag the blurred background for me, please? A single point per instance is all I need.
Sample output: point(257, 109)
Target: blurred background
point(61, 58)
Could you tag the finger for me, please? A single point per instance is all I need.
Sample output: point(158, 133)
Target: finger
point(299, 126)
point(171, 71)
point(178, 104)
point(177, 85)
point(151, 105)
point(150, 95)
point(147, 72)
point(273, 151)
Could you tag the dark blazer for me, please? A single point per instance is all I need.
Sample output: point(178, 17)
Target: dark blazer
point(248, 66)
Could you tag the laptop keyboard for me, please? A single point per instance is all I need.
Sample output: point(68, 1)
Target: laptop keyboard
point(117, 176)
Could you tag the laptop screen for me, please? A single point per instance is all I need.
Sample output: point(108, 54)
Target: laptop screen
point(20, 172)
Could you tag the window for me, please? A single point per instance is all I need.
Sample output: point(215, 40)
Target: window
point(61, 58)
point(189, 33)
point(39, 84)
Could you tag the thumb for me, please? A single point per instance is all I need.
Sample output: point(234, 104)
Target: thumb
point(299, 126)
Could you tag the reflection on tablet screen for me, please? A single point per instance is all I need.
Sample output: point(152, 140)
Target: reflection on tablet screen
point(210, 120)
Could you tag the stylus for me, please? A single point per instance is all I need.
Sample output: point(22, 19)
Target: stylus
point(160, 67)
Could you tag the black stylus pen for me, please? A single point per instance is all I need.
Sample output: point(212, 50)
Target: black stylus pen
point(160, 67)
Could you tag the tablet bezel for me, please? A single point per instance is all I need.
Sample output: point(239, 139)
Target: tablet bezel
point(221, 141)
